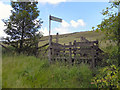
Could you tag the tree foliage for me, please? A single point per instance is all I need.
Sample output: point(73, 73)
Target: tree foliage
point(22, 25)
point(108, 77)
point(109, 25)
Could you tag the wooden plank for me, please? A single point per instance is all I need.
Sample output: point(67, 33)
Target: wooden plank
point(88, 48)
point(83, 51)
point(93, 58)
point(64, 51)
point(73, 49)
point(57, 44)
point(62, 58)
point(84, 44)
point(57, 37)
point(61, 54)
point(78, 44)
point(43, 46)
point(84, 58)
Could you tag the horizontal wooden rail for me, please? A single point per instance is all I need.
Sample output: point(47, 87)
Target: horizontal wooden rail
point(43, 46)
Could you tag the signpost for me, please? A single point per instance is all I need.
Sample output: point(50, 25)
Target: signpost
point(50, 37)
point(54, 19)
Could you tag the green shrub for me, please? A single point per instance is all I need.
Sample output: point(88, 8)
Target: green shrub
point(107, 77)
point(110, 56)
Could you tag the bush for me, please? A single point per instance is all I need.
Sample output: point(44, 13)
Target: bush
point(107, 77)
point(110, 56)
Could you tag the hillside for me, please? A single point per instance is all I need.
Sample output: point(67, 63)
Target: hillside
point(66, 38)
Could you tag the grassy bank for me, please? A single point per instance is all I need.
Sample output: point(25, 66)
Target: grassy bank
point(66, 38)
point(30, 72)
point(20, 71)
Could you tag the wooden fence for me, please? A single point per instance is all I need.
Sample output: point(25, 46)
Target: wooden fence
point(76, 52)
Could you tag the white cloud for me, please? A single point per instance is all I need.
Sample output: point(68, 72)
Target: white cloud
point(66, 27)
point(77, 23)
point(60, 30)
point(5, 13)
point(45, 31)
point(2, 33)
point(52, 1)
point(5, 10)
point(65, 24)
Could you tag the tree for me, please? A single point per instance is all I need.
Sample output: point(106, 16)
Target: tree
point(109, 75)
point(22, 25)
point(111, 25)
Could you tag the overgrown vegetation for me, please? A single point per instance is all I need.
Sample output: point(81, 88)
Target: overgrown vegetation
point(20, 71)
point(108, 75)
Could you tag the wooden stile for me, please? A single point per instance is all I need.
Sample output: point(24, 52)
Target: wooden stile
point(77, 52)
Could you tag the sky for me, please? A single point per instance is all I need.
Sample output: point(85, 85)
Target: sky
point(77, 15)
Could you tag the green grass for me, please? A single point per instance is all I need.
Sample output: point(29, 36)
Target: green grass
point(30, 72)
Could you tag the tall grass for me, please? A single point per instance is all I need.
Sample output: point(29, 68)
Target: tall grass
point(20, 71)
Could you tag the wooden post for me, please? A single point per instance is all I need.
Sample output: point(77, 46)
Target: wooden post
point(70, 53)
point(49, 31)
point(74, 43)
point(96, 53)
point(81, 39)
point(49, 25)
point(57, 38)
point(97, 44)
point(50, 49)
point(93, 57)
point(64, 52)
